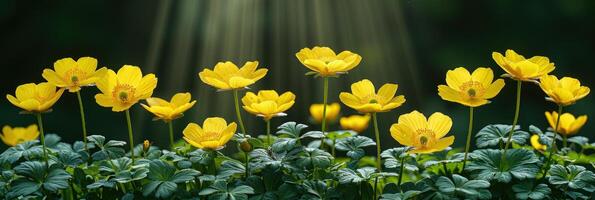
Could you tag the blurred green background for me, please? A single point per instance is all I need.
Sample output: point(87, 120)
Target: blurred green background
point(412, 43)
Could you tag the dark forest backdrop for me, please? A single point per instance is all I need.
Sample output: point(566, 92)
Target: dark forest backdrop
point(412, 43)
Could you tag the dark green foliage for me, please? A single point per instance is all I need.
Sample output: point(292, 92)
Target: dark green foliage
point(289, 169)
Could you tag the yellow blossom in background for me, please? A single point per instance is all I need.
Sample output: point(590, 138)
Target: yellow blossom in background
point(332, 111)
point(268, 103)
point(424, 135)
point(565, 91)
point(536, 144)
point(73, 75)
point(520, 68)
point(122, 90)
point(357, 123)
point(227, 76)
point(35, 97)
point(324, 61)
point(213, 135)
point(470, 89)
point(569, 125)
point(363, 97)
point(169, 110)
point(13, 136)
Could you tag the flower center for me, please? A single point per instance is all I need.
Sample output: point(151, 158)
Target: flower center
point(123, 92)
point(472, 89)
point(75, 75)
point(373, 101)
point(209, 136)
point(425, 137)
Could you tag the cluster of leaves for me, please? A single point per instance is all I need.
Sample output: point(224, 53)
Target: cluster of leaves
point(292, 166)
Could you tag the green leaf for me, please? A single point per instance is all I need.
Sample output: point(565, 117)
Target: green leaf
point(488, 164)
point(392, 159)
point(355, 146)
point(110, 150)
point(27, 150)
point(284, 144)
point(313, 134)
point(51, 179)
point(22, 187)
point(164, 179)
point(311, 158)
point(231, 167)
point(221, 190)
point(291, 129)
point(400, 196)
point(494, 134)
point(527, 190)
point(572, 176)
point(462, 187)
point(580, 140)
point(347, 175)
point(68, 158)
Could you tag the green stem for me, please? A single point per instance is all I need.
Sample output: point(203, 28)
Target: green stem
point(324, 100)
point(469, 133)
point(378, 148)
point(171, 133)
point(375, 187)
point(516, 116)
point(238, 114)
point(401, 172)
point(268, 122)
point(83, 123)
point(130, 136)
point(333, 147)
point(45, 151)
point(553, 144)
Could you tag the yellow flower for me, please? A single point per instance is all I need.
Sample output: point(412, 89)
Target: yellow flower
point(324, 61)
point(227, 76)
point(357, 123)
point(424, 135)
point(13, 136)
point(519, 68)
point(171, 110)
point(565, 91)
point(72, 74)
point(213, 135)
point(569, 125)
point(535, 143)
point(268, 103)
point(122, 90)
point(146, 145)
point(470, 89)
point(35, 97)
point(332, 111)
point(363, 97)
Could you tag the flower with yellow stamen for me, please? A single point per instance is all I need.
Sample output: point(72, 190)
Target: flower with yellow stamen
point(536, 144)
point(520, 68)
point(565, 91)
point(169, 110)
point(363, 97)
point(122, 90)
point(357, 123)
point(268, 103)
point(227, 76)
point(33, 97)
point(73, 75)
point(470, 89)
point(324, 62)
point(424, 135)
point(13, 136)
point(332, 111)
point(569, 125)
point(213, 135)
